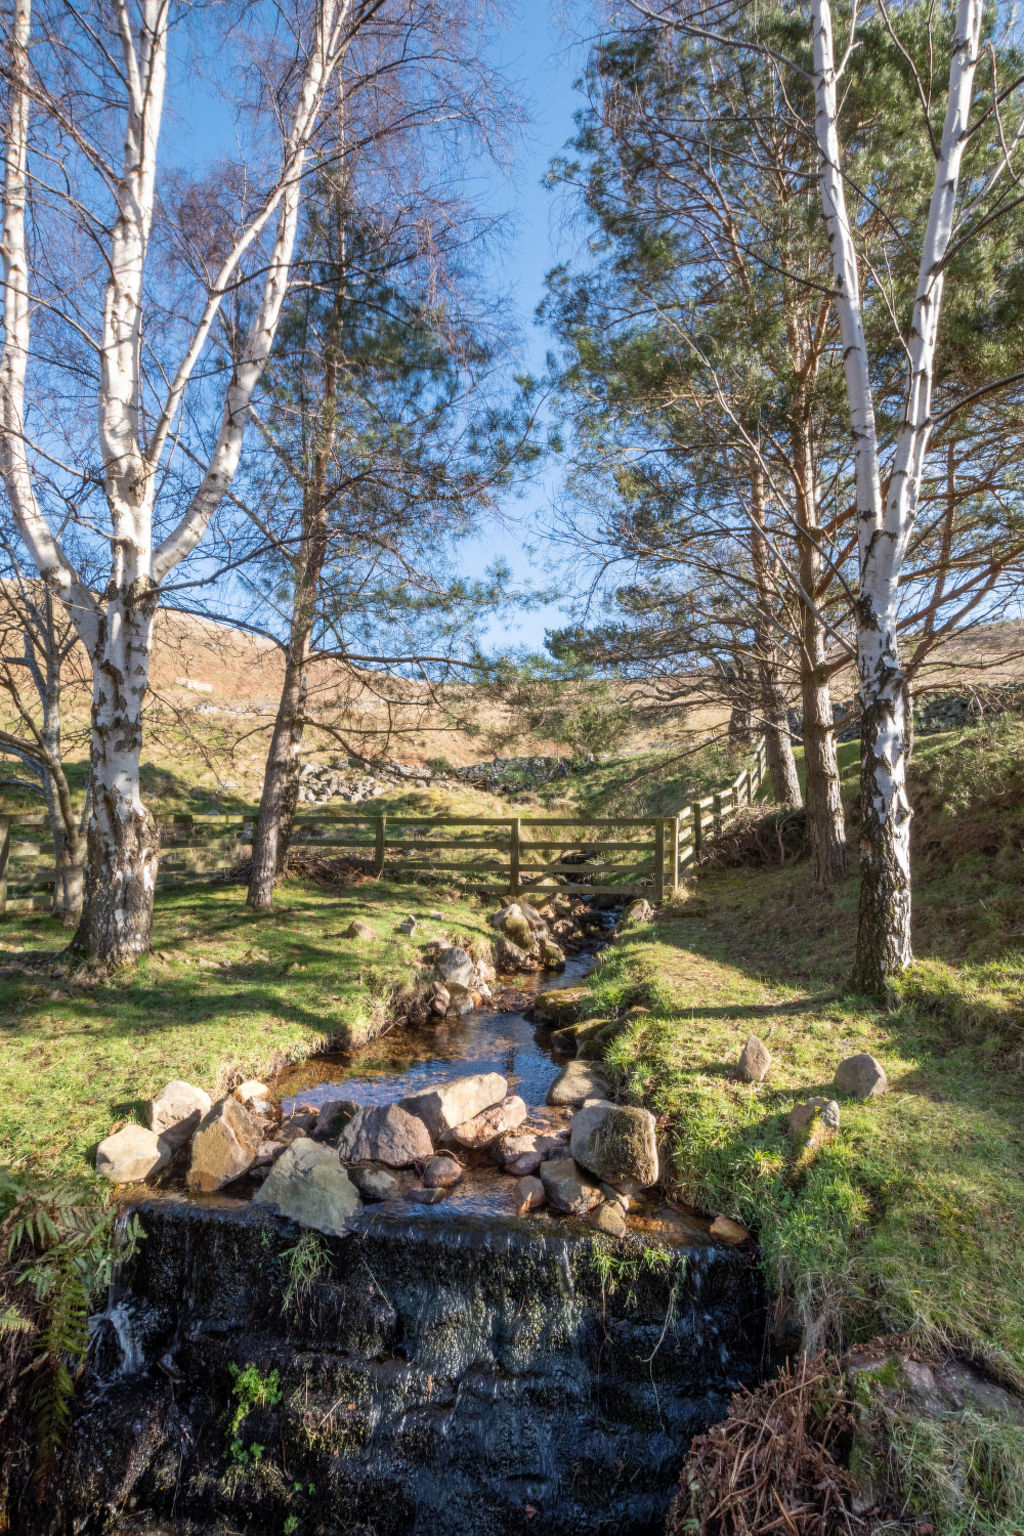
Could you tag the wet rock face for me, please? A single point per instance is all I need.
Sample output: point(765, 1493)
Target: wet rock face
point(455, 1374)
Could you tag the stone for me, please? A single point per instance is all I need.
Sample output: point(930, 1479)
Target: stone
point(437, 998)
point(509, 956)
point(373, 1183)
point(529, 1194)
point(224, 1146)
point(567, 1188)
point(425, 1196)
point(333, 1118)
point(490, 1123)
point(619, 1196)
point(385, 1133)
point(728, 1231)
point(132, 1154)
point(456, 965)
point(608, 1217)
point(460, 1001)
point(176, 1111)
point(266, 1152)
point(755, 1059)
point(533, 917)
point(451, 1104)
point(860, 1077)
point(560, 1005)
point(513, 924)
point(442, 1172)
point(639, 911)
point(302, 1123)
point(250, 1092)
point(408, 925)
point(552, 956)
point(357, 929)
point(521, 1155)
point(616, 1142)
point(577, 1082)
point(309, 1186)
point(802, 1115)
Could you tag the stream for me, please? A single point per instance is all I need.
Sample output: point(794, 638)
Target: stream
point(449, 1367)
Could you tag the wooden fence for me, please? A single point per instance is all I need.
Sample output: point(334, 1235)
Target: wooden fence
point(494, 855)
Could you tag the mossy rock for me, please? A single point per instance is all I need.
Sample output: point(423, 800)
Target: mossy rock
point(561, 1005)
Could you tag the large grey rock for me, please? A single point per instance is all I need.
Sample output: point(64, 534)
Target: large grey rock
point(755, 1059)
point(489, 1124)
point(385, 1133)
point(454, 965)
point(509, 956)
point(132, 1154)
point(176, 1111)
point(567, 1188)
point(225, 1145)
point(373, 1183)
point(860, 1077)
point(577, 1082)
point(333, 1118)
point(451, 1104)
point(309, 1186)
point(522, 1155)
point(460, 1000)
point(560, 1005)
point(616, 1142)
point(514, 925)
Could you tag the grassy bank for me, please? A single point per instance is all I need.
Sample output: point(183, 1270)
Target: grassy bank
point(911, 1219)
point(224, 991)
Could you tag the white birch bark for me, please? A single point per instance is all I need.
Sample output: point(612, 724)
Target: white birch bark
point(885, 527)
point(117, 629)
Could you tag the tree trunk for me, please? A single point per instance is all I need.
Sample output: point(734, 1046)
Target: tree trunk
point(883, 934)
point(280, 780)
point(782, 771)
point(117, 916)
point(785, 780)
point(825, 819)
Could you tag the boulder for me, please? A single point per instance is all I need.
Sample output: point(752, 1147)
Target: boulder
point(266, 1153)
point(804, 1114)
point(251, 1092)
point(639, 911)
point(521, 1155)
point(385, 1133)
point(577, 1082)
point(333, 1118)
point(489, 1124)
point(359, 930)
point(450, 1104)
point(608, 1217)
point(728, 1231)
point(373, 1183)
point(552, 956)
point(437, 999)
point(860, 1077)
point(509, 956)
point(529, 1194)
point(408, 926)
point(442, 1172)
point(460, 1000)
point(132, 1154)
point(535, 919)
point(309, 1186)
point(560, 1005)
point(616, 1142)
point(224, 1146)
point(456, 965)
point(513, 924)
point(302, 1123)
point(755, 1059)
point(567, 1188)
point(176, 1111)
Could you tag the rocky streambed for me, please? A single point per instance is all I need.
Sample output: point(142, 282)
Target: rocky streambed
point(453, 1297)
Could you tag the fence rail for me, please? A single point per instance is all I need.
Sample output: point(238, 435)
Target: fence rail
point(497, 855)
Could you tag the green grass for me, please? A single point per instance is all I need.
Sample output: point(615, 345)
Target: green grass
point(912, 1218)
point(224, 991)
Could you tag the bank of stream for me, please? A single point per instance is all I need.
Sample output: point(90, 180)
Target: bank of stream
point(451, 1366)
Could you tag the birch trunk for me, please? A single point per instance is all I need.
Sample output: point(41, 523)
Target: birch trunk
point(885, 525)
point(281, 777)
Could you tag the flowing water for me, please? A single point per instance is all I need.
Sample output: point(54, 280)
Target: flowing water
point(446, 1368)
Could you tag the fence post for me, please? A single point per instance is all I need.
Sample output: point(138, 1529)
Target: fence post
point(675, 854)
point(716, 813)
point(513, 857)
point(698, 831)
point(5, 853)
point(379, 843)
point(659, 861)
